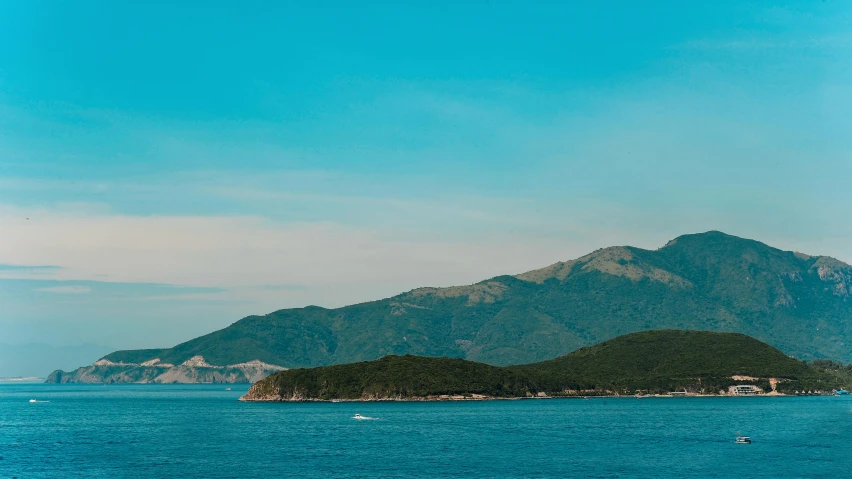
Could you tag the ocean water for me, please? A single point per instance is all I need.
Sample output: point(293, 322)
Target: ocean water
point(202, 431)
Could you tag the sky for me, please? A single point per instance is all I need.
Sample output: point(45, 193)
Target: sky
point(167, 168)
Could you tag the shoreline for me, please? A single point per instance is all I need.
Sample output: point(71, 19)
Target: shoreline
point(472, 399)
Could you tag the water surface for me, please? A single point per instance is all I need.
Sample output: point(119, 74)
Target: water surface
point(202, 431)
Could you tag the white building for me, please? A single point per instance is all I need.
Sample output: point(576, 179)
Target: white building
point(744, 390)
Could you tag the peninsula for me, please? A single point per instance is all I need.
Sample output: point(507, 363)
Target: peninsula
point(649, 362)
point(193, 370)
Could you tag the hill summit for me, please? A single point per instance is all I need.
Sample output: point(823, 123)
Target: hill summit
point(709, 281)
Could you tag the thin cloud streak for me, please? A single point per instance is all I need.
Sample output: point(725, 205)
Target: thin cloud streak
point(27, 268)
point(66, 290)
point(831, 42)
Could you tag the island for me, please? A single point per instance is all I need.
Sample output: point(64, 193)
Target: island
point(660, 362)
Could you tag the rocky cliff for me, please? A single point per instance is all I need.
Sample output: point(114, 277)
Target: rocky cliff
point(193, 370)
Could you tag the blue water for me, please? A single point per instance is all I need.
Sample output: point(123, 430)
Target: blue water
point(148, 431)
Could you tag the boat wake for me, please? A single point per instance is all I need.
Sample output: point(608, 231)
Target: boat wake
point(36, 400)
point(364, 418)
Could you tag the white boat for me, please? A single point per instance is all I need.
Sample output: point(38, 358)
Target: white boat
point(227, 389)
point(743, 440)
point(33, 400)
point(363, 418)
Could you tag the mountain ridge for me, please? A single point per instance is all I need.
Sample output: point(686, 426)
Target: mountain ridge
point(708, 281)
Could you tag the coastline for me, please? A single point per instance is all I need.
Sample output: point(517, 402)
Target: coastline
point(269, 399)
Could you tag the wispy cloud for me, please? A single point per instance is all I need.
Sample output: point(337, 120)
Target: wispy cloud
point(242, 253)
point(111, 290)
point(28, 268)
point(756, 44)
point(66, 289)
point(28, 271)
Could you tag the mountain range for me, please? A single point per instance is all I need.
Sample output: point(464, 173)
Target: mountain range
point(711, 281)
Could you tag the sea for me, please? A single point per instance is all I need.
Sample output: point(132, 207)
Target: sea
point(203, 431)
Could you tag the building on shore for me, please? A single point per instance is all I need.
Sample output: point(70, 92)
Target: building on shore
point(744, 390)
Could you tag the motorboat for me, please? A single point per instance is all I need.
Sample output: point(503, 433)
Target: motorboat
point(33, 400)
point(743, 440)
point(363, 418)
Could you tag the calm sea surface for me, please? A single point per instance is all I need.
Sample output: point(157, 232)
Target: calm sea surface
point(199, 431)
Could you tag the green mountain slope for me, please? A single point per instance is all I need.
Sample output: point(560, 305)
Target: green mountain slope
point(673, 353)
point(652, 361)
point(668, 359)
point(711, 281)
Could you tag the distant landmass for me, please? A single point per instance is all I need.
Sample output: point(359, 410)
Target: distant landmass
point(685, 362)
point(797, 303)
point(193, 370)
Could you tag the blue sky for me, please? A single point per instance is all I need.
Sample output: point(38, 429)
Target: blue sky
point(167, 169)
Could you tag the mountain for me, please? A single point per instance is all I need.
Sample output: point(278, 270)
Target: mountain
point(650, 361)
point(710, 281)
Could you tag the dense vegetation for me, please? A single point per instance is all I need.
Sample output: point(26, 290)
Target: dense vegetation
point(826, 375)
point(396, 377)
point(650, 362)
point(667, 360)
point(711, 281)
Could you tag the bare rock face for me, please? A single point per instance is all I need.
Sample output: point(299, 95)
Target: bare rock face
point(193, 370)
point(837, 273)
point(487, 292)
point(156, 362)
point(107, 362)
point(197, 362)
point(617, 261)
point(263, 391)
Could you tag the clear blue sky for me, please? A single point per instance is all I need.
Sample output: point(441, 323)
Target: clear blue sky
point(168, 168)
